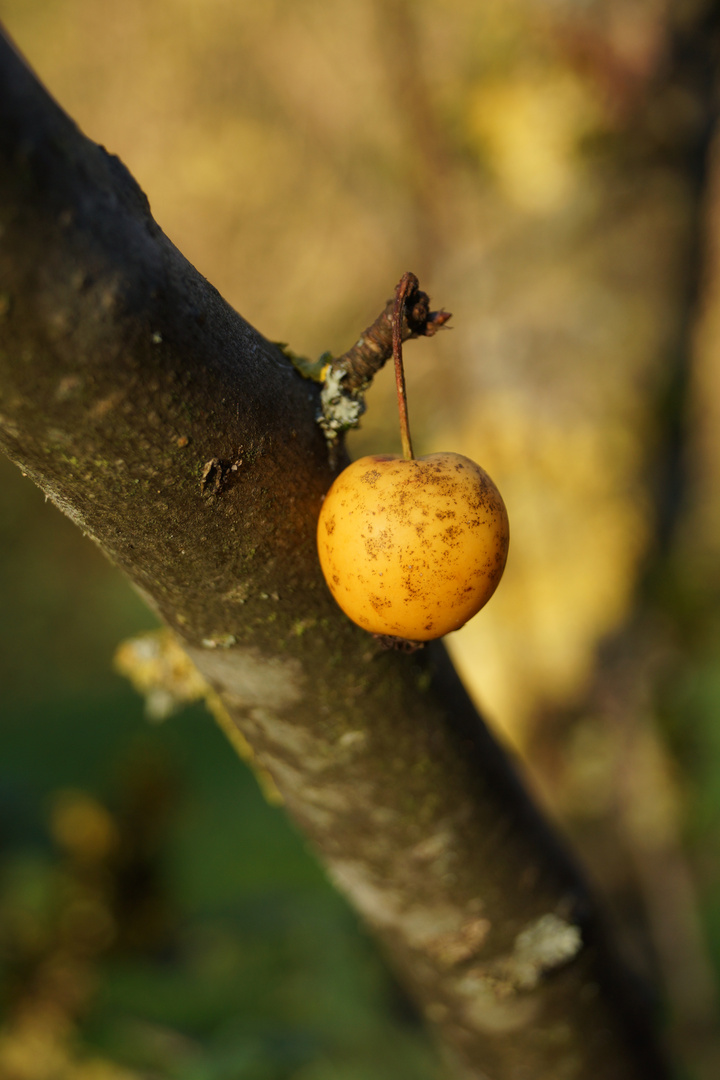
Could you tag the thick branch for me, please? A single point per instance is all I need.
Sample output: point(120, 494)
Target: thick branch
point(185, 445)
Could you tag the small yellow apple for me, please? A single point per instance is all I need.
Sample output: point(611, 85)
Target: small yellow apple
point(413, 547)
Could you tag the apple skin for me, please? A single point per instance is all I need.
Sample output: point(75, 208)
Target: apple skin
point(413, 548)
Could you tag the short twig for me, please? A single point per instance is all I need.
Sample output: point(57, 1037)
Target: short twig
point(374, 346)
point(347, 376)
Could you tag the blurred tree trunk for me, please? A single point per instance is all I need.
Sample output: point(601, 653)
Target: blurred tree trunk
point(186, 446)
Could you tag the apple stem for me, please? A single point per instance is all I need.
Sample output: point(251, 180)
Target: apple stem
point(407, 283)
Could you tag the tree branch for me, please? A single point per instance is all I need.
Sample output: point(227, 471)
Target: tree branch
point(186, 446)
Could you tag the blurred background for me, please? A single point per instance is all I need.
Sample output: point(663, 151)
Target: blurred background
point(548, 169)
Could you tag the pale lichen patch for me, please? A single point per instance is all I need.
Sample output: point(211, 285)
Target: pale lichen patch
point(351, 746)
point(238, 594)
point(485, 1011)
point(428, 926)
point(341, 408)
point(219, 641)
point(291, 738)
point(455, 947)
point(432, 847)
point(441, 931)
point(249, 679)
point(380, 906)
point(353, 740)
point(330, 798)
point(287, 778)
point(546, 944)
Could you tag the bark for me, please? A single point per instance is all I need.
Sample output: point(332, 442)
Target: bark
point(186, 446)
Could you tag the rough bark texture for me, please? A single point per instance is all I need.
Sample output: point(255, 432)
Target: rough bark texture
point(186, 446)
